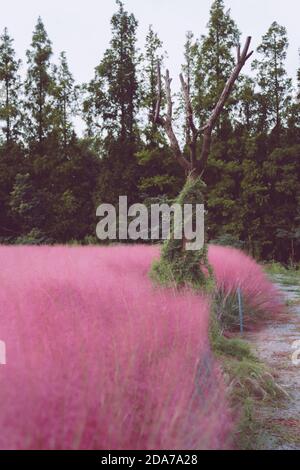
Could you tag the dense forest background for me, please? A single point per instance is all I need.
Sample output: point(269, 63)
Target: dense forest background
point(52, 179)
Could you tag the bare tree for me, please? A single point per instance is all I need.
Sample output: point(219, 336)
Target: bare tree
point(194, 166)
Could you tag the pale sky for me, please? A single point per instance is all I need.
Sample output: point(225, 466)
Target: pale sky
point(82, 28)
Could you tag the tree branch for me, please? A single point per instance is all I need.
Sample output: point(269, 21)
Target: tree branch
point(188, 106)
point(209, 126)
point(167, 121)
point(190, 119)
point(157, 118)
point(195, 166)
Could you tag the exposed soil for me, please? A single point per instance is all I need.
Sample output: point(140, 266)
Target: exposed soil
point(274, 344)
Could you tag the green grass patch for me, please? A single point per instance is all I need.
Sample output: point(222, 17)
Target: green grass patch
point(283, 275)
point(249, 381)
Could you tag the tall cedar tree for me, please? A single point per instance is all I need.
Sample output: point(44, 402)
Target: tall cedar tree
point(215, 58)
point(112, 101)
point(10, 84)
point(39, 86)
point(111, 108)
point(65, 99)
point(11, 152)
point(152, 56)
point(275, 86)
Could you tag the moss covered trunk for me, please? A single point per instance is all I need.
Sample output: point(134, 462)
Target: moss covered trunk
point(178, 265)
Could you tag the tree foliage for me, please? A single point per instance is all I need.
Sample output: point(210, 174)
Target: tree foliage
point(52, 180)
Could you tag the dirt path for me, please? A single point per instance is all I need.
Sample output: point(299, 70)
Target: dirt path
point(280, 423)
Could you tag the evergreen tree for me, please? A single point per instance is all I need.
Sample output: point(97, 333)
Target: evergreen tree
point(65, 99)
point(189, 56)
point(215, 58)
point(275, 86)
point(11, 152)
point(39, 86)
point(281, 223)
point(254, 196)
point(111, 108)
point(23, 201)
point(50, 188)
point(113, 94)
point(247, 106)
point(12, 161)
point(152, 57)
point(74, 179)
point(10, 84)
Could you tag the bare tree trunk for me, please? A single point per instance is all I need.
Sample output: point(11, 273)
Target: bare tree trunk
point(177, 264)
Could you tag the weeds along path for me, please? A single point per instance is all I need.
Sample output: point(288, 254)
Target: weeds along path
point(275, 345)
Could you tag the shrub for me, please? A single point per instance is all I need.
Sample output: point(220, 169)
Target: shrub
point(232, 269)
point(228, 240)
point(34, 237)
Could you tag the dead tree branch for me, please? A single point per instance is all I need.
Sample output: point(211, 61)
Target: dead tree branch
point(196, 166)
point(209, 126)
point(167, 121)
point(190, 120)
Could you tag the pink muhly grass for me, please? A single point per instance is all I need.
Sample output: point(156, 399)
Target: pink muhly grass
point(233, 268)
point(98, 358)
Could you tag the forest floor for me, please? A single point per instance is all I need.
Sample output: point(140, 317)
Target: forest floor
point(278, 423)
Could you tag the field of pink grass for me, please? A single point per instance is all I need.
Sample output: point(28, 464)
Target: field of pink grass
point(233, 268)
point(98, 358)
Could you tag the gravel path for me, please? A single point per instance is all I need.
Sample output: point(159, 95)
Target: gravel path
point(275, 345)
